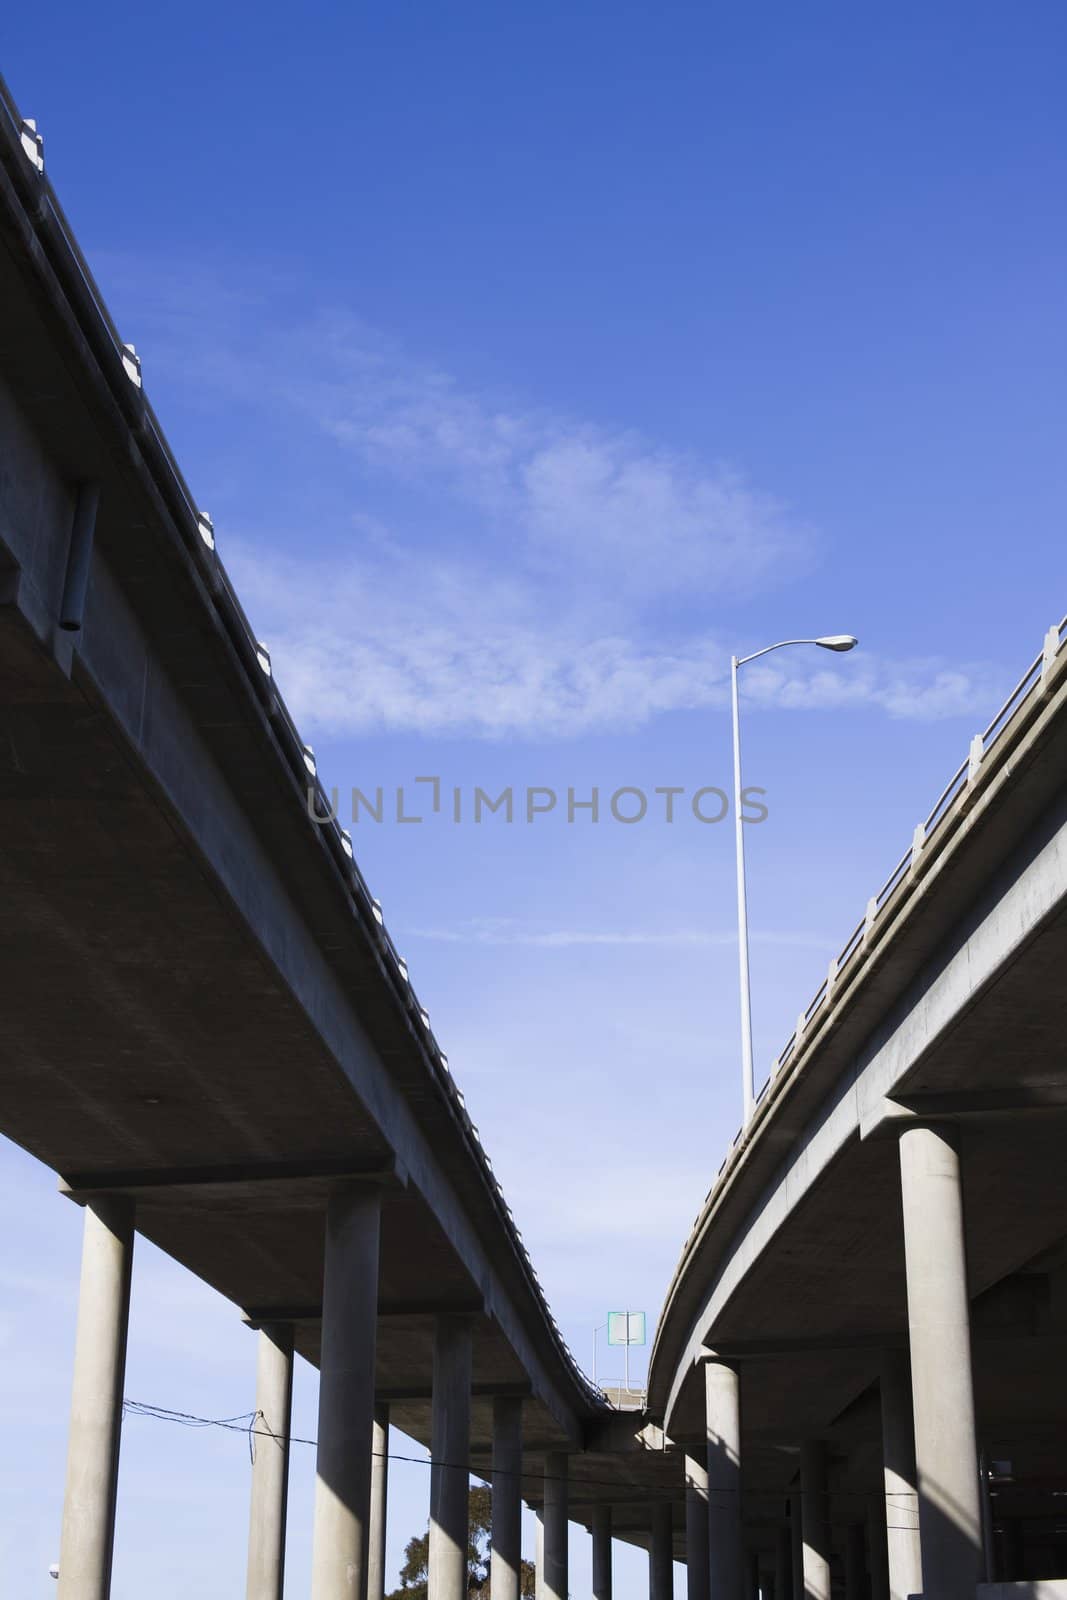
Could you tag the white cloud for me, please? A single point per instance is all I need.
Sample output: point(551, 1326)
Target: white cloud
point(923, 690)
point(508, 931)
point(536, 579)
point(386, 640)
point(568, 496)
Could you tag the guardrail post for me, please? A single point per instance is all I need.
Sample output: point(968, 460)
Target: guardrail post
point(869, 917)
point(1049, 652)
point(974, 757)
point(918, 839)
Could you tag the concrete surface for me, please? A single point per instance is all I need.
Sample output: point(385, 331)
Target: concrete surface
point(270, 1463)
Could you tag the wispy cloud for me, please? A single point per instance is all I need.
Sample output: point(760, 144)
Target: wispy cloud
point(562, 497)
point(923, 689)
point(521, 572)
point(509, 931)
point(387, 640)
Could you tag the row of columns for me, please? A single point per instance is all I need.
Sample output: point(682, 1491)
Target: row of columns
point(926, 1537)
point(932, 1532)
point(348, 1544)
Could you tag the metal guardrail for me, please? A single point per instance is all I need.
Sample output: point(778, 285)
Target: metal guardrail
point(24, 157)
point(983, 745)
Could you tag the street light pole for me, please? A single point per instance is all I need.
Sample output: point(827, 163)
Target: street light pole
point(747, 1076)
point(838, 642)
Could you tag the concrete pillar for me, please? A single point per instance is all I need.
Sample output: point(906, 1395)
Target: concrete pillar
point(752, 1575)
point(270, 1463)
point(539, 1554)
point(450, 1436)
point(815, 1520)
point(939, 1330)
point(88, 1536)
point(506, 1558)
point(555, 1563)
point(796, 1539)
point(379, 1503)
point(602, 1553)
point(722, 1394)
point(783, 1563)
point(876, 1545)
point(901, 1505)
point(661, 1552)
point(696, 1528)
point(340, 1541)
point(855, 1562)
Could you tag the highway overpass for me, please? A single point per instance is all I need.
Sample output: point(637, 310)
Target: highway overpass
point(208, 1034)
point(869, 1317)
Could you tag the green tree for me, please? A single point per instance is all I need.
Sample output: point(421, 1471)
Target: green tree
point(415, 1568)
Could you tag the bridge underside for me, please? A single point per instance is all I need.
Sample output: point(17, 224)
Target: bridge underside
point(151, 1050)
point(809, 1322)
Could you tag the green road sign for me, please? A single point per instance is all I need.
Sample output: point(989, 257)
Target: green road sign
point(626, 1327)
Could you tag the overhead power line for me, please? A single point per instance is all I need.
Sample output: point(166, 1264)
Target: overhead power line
point(245, 1422)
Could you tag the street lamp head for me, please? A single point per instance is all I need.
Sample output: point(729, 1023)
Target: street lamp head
point(838, 641)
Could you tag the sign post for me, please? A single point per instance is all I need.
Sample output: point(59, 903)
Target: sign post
point(626, 1328)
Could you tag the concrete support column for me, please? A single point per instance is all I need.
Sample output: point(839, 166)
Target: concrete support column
point(939, 1329)
point(696, 1528)
point(340, 1542)
point(270, 1463)
point(661, 1552)
point(876, 1545)
point(555, 1564)
point(722, 1394)
point(450, 1435)
point(796, 1539)
point(815, 1520)
point(901, 1510)
point(379, 1503)
point(506, 1559)
point(855, 1562)
point(602, 1553)
point(783, 1563)
point(88, 1536)
point(539, 1554)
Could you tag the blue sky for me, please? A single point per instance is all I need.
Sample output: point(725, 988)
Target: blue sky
point(530, 360)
